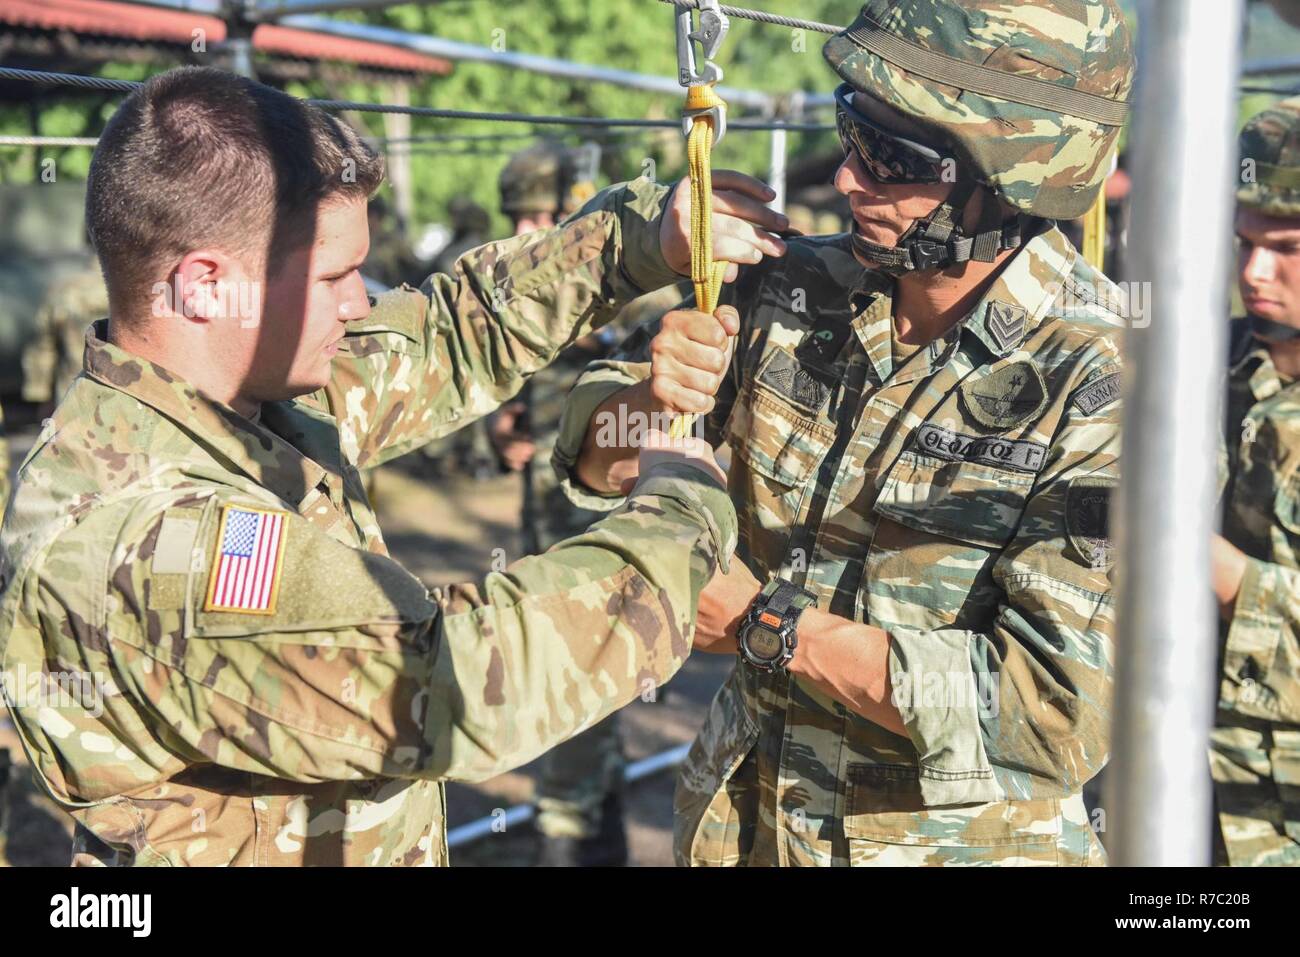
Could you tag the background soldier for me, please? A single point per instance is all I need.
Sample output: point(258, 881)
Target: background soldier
point(253, 680)
point(1255, 746)
point(53, 358)
point(925, 447)
point(466, 451)
point(390, 259)
point(579, 795)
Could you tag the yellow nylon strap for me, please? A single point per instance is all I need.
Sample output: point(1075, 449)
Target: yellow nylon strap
point(706, 272)
point(1094, 232)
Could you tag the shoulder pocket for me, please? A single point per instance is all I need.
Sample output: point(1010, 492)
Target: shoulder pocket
point(270, 571)
point(966, 500)
point(395, 324)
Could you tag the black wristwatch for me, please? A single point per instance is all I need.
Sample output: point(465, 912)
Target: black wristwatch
point(768, 634)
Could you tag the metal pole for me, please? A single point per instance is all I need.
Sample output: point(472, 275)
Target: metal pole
point(776, 170)
point(275, 9)
point(522, 813)
point(1184, 160)
point(550, 66)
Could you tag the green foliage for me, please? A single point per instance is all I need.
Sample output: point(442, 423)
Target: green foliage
point(633, 35)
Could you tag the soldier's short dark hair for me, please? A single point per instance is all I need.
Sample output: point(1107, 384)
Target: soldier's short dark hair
point(198, 156)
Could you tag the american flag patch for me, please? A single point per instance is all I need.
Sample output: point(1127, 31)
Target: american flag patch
point(245, 574)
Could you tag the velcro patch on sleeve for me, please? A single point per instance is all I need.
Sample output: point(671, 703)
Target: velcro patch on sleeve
point(797, 383)
point(1097, 394)
point(1087, 520)
point(1018, 454)
point(174, 551)
point(245, 568)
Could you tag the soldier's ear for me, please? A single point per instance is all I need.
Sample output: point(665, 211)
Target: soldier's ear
point(197, 287)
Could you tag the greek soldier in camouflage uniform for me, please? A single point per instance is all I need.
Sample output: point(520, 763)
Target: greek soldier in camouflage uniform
point(256, 681)
point(1255, 745)
point(579, 795)
point(53, 359)
point(942, 494)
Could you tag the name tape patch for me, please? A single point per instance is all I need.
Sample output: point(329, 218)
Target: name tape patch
point(1019, 454)
point(1097, 394)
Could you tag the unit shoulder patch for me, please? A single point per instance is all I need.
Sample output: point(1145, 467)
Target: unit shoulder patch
point(1006, 397)
point(1087, 520)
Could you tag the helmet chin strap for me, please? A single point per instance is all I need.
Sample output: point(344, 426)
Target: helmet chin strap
point(1267, 330)
point(939, 241)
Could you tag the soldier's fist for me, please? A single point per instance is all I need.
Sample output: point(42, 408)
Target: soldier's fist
point(689, 357)
point(658, 448)
point(743, 228)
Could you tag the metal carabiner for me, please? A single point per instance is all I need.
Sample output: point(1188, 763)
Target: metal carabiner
point(712, 29)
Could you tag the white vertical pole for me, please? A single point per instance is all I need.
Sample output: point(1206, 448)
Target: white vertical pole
point(776, 170)
point(1184, 159)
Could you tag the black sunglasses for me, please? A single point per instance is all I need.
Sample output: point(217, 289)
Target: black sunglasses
point(886, 156)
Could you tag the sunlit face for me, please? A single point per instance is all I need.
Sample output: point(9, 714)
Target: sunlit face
point(883, 213)
point(315, 291)
point(1268, 265)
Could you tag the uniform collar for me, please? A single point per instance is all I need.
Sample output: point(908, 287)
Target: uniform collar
point(1021, 295)
point(249, 447)
point(1261, 375)
point(1010, 309)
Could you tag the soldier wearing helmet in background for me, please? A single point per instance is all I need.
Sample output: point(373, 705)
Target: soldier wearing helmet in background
point(1255, 745)
point(923, 417)
point(579, 796)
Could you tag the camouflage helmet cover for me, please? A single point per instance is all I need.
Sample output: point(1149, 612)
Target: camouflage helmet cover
point(537, 180)
point(1270, 160)
point(1029, 94)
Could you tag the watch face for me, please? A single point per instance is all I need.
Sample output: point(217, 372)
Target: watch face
point(763, 643)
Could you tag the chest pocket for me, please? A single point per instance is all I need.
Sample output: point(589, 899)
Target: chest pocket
point(966, 500)
point(940, 528)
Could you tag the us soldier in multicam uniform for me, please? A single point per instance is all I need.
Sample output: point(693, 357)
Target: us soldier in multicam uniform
point(1255, 745)
point(927, 445)
point(579, 818)
point(53, 359)
point(258, 682)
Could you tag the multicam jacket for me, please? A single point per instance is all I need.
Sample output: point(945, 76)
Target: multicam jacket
point(1255, 745)
point(311, 716)
point(959, 502)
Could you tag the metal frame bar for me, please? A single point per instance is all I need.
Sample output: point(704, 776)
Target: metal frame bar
point(523, 813)
point(549, 66)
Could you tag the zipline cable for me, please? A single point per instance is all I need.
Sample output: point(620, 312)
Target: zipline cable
point(761, 16)
point(127, 86)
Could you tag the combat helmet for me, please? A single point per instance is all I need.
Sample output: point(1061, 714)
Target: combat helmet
point(1028, 95)
point(548, 178)
point(1270, 160)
